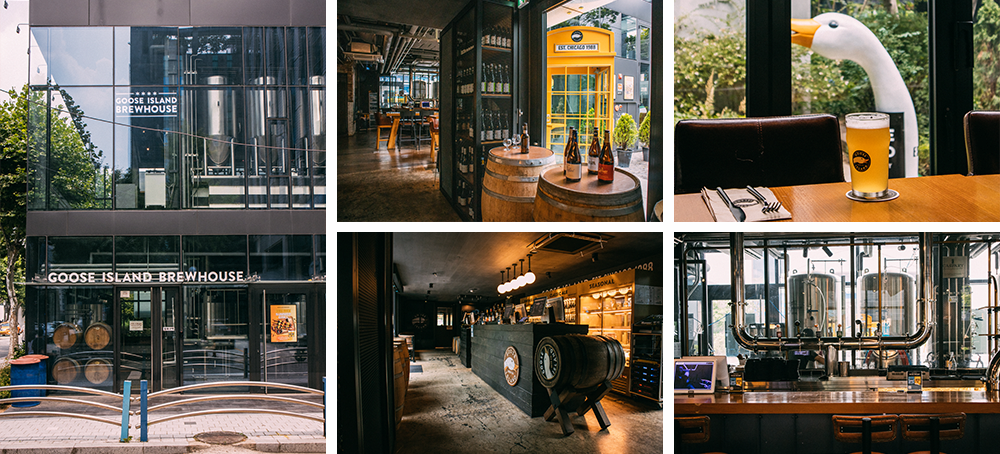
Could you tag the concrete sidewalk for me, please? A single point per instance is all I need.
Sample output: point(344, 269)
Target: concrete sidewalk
point(58, 435)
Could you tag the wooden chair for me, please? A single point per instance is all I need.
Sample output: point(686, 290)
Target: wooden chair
point(865, 430)
point(766, 151)
point(412, 122)
point(383, 122)
point(982, 142)
point(933, 428)
point(691, 430)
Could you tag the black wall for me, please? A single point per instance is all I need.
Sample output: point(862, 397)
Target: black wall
point(366, 416)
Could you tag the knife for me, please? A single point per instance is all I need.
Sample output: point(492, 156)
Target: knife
point(737, 211)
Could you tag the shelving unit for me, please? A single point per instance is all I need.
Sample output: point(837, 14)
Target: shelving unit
point(647, 350)
point(610, 315)
point(484, 90)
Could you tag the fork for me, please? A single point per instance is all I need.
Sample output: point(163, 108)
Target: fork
point(767, 207)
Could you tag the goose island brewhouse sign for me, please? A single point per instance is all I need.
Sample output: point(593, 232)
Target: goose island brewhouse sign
point(91, 277)
point(145, 104)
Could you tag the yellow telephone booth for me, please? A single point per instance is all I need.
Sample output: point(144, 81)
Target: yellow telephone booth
point(581, 67)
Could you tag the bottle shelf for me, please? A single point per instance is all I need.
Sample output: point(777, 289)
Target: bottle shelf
point(495, 96)
point(498, 49)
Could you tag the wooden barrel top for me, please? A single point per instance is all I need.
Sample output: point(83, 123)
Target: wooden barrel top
point(536, 156)
point(65, 335)
point(97, 370)
point(624, 182)
point(65, 370)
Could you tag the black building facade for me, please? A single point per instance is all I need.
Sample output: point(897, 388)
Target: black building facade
point(177, 191)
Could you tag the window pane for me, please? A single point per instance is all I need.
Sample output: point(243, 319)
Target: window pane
point(644, 50)
point(211, 52)
point(146, 163)
point(317, 55)
point(628, 37)
point(74, 254)
point(709, 60)
point(215, 253)
point(146, 56)
point(281, 257)
point(72, 56)
point(824, 85)
point(297, 56)
point(147, 253)
point(986, 74)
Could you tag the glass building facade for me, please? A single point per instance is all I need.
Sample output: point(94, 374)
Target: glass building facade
point(145, 118)
point(188, 165)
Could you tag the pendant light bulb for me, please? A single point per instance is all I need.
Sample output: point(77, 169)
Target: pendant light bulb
point(529, 277)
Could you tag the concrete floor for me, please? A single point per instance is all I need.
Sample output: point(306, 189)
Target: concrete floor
point(388, 186)
point(402, 185)
point(449, 409)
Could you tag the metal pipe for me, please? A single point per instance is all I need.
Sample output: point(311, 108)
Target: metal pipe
point(881, 353)
point(753, 343)
point(376, 29)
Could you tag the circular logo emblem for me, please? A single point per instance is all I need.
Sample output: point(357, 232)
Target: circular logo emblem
point(420, 321)
point(861, 161)
point(576, 36)
point(511, 366)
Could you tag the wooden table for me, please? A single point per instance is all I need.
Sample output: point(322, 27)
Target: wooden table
point(395, 124)
point(943, 198)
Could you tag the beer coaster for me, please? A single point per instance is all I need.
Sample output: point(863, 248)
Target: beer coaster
point(889, 195)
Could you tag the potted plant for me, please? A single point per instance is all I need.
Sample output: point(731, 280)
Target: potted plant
point(644, 136)
point(624, 136)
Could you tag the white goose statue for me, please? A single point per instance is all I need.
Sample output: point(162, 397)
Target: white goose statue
point(840, 37)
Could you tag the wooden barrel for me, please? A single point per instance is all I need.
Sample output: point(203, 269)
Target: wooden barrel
point(587, 200)
point(98, 335)
point(65, 335)
point(510, 183)
point(65, 370)
point(578, 361)
point(97, 370)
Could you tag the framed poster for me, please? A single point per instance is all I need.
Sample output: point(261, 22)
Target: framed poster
point(629, 88)
point(283, 327)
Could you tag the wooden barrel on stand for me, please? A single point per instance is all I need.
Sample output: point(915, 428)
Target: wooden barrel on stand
point(97, 370)
point(510, 182)
point(98, 335)
point(578, 361)
point(587, 200)
point(66, 335)
point(65, 370)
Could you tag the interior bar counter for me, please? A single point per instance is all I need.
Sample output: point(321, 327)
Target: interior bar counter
point(799, 376)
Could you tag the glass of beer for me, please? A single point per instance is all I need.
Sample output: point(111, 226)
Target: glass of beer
point(868, 150)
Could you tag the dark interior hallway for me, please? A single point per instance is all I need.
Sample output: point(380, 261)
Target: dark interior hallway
point(400, 185)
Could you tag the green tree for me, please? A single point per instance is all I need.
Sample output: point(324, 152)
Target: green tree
point(13, 192)
point(986, 36)
point(710, 67)
point(64, 155)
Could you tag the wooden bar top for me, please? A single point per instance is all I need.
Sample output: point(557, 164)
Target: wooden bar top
point(942, 198)
point(837, 402)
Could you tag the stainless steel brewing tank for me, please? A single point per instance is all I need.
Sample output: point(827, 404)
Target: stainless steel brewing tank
point(317, 124)
point(812, 301)
point(898, 303)
point(216, 100)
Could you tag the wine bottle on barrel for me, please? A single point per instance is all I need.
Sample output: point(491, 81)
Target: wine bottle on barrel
point(574, 167)
point(593, 154)
point(524, 139)
point(606, 163)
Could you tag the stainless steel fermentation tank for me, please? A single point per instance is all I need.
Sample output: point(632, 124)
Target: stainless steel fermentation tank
point(897, 305)
point(813, 302)
point(218, 102)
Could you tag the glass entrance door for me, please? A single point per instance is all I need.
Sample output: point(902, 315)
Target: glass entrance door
point(214, 329)
point(134, 358)
point(285, 352)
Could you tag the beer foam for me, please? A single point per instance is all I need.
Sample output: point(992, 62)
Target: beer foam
point(867, 121)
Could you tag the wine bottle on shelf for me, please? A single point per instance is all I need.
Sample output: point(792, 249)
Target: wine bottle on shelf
point(574, 168)
point(524, 139)
point(498, 127)
point(488, 126)
point(482, 127)
point(506, 127)
point(506, 80)
point(593, 154)
point(606, 162)
point(483, 77)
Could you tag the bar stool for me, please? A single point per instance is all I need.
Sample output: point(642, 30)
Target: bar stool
point(383, 122)
point(413, 123)
point(933, 428)
point(691, 430)
point(865, 430)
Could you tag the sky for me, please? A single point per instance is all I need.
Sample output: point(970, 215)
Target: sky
point(13, 46)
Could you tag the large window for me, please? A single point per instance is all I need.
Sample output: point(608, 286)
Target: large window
point(203, 117)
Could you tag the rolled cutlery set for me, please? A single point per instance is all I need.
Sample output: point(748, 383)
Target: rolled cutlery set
point(738, 213)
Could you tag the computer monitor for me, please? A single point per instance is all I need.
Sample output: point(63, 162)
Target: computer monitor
point(425, 104)
point(694, 376)
point(721, 368)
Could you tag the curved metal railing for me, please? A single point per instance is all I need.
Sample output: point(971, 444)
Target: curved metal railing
point(123, 410)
